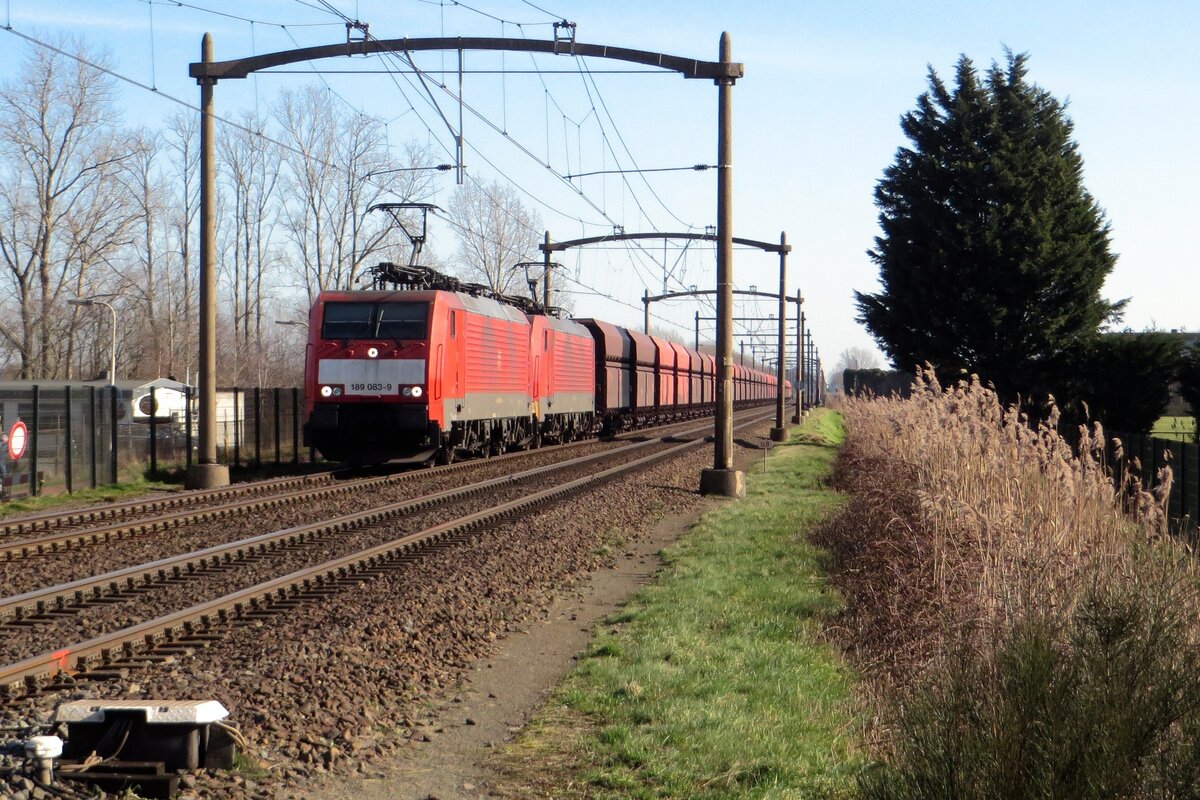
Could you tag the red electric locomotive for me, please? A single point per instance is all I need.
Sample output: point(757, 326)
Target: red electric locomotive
point(561, 356)
point(432, 368)
point(416, 372)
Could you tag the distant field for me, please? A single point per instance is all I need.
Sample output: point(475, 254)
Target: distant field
point(1182, 429)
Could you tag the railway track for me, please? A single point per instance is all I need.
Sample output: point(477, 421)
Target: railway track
point(193, 626)
point(60, 556)
point(32, 535)
point(110, 513)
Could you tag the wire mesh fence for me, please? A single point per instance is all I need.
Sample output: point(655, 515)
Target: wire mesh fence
point(1145, 457)
point(65, 437)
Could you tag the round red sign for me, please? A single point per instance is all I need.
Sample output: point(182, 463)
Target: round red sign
point(18, 437)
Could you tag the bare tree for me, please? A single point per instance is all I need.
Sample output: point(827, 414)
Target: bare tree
point(337, 168)
point(182, 138)
point(61, 214)
point(495, 233)
point(251, 167)
point(853, 358)
point(145, 288)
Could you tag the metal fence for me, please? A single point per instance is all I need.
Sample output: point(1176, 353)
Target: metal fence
point(83, 436)
point(1152, 454)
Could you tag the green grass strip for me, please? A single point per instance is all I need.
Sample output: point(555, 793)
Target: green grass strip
point(715, 680)
point(1181, 429)
point(112, 493)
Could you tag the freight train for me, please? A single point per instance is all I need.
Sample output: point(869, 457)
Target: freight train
point(426, 367)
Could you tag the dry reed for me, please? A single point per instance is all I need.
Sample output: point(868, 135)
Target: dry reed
point(1012, 516)
point(967, 522)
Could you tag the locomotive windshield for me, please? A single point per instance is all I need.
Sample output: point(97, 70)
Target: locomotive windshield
point(375, 321)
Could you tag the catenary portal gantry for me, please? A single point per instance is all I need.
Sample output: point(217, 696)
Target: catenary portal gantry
point(724, 316)
point(722, 478)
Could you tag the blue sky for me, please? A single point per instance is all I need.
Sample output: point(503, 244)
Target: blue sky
point(815, 121)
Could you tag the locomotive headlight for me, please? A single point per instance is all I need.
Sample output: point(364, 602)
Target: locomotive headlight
point(407, 391)
point(337, 391)
point(416, 391)
point(372, 352)
point(326, 391)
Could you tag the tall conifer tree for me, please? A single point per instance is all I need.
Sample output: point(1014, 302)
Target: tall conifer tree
point(992, 254)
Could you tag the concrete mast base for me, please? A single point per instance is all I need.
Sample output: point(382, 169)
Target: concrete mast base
point(206, 476)
point(723, 482)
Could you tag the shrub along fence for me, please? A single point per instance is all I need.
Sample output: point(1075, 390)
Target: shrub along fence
point(85, 435)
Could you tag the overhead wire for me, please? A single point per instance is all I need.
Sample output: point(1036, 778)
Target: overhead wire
point(483, 118)
point(586, 77)
point(217, 117)
point(549, 95)
point(453, 223)
point(432, 101)
point(391, 74)
point(637, 249)
point(213, 11)
point(592, 112)
point(285, 146)
point(637, 253)
point(491, 16)
point(328, 7)
point(544, 11)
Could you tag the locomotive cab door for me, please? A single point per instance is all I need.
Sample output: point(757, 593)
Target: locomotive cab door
point(456, 356)
point(550, 383)
point(437, 374)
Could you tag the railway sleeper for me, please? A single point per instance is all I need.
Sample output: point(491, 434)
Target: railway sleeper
point(156, 652)
point(152, 658)
point(103, 675)
point(176, 648)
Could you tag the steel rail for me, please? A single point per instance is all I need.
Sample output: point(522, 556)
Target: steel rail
point(288, 590)
point(113, 511)
point(76, 595)
point(100, 513)
point(55, 543)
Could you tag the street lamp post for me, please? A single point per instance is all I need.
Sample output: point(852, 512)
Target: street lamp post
point(112, 355)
